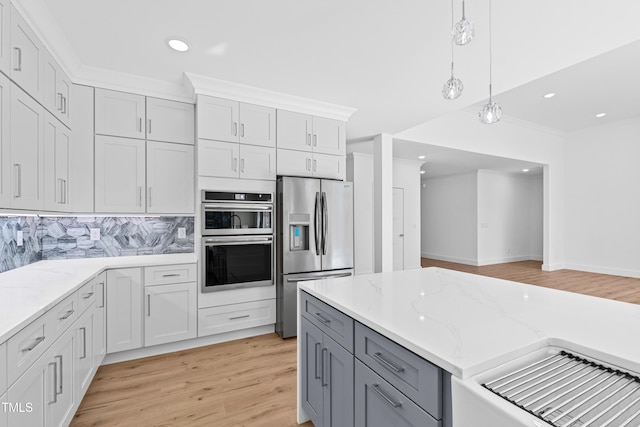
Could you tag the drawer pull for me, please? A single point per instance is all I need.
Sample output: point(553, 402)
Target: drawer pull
point(171, 275)
point(55, 383)
point(34, 345)
point(87, 296)
point(322, 318)
point(322, 382)
point(386, 363)
point(382, 394)
point(66, 315)
point(61, 373)
point(240, 317)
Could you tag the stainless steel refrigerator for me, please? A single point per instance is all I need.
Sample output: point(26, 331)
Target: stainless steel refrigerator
point(314, 239)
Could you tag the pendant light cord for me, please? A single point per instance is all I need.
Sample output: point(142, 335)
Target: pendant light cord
point(452, 27)
point(490, 52)
point(463, 17)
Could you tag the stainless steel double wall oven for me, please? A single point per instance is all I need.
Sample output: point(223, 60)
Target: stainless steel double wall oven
point(237, 240)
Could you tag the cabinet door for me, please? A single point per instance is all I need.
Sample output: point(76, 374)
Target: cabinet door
point(99, 320)
point(64, 95)
point(217, 158)
point(5, 31)
point(36, 388)
point(329, 136)
point(119, 175)
point(84, 356)
point(170, 178)
point(124, 309)
point(218, 119)
point(27, 124)
point(5, 141)
point(171, 313)
point(170, 121)
point(56, 164)
point(294, 130)
point(257, 125)
point(337, 379)
point(328, 166)
point(27, 57)
point(50, 72)
point(290, 162)
point(119, 114)
point(61, 356)
point(257, 162)
point(311, 372)
point(4, 421)
point(82, 156)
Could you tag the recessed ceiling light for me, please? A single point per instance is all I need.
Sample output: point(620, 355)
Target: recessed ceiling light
point(421, 157)
point(422, 172)
point(179, 45)
point(601, 115)
point(525, 170)
point(549, 95)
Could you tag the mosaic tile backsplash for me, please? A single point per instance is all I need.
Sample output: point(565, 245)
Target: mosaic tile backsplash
point(46, 238)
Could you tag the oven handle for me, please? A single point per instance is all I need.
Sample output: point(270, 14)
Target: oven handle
point(224, 207)
point(222, 241)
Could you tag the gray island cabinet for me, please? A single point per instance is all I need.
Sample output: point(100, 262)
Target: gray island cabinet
point(352, 375)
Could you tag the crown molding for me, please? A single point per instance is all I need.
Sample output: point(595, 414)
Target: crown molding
point(203, 85)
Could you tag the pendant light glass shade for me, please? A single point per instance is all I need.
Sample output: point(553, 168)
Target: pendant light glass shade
point(464, 30)
point(453, 87)
point(491, 112)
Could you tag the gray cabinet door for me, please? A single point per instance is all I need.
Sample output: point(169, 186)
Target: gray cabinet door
point(311, 371)
point(379, 404)
point(337, 379)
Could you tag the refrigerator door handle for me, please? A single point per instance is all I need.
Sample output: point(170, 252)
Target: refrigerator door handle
point(316, 223)
point(325, 223)
point(328, 276)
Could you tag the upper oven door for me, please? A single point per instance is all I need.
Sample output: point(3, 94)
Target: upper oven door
point(236, 218)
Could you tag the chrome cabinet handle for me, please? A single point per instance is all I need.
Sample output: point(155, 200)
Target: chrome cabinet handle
point(316, 375)
point(84, 343)
point(325, 223)
point(18, 185)
point(61, 191)
point(19, 51)
point(315, 165)
point(322, 318)
point(235, 162)
point(64, 193)
point(149, 195)
point(36, 343)
point(315, 140)
point(242, 130)
point(309, 139)
point(140, 195)
point(55, 382)
point(66, 315)
point(240, 317)
point(242, 165)
point(171, 275)
point(316, 223)
point(87, 296)
point(64, 104)
point(139, 124)
point(382, 394)
point(60, 382)
point(102, 298)
point(149, 127)
point(378, 356)
point(148, 305)
point(59, 101)
point(324, 384)
point(235, 128)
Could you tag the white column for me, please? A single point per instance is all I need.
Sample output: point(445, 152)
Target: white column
point(383, 202)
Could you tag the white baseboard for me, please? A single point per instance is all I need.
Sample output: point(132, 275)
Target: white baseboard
point(507, 259)
point(467, 261)
point(138, 353)
point(604, 270)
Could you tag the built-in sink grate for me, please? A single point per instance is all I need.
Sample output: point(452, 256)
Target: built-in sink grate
point(565, 390)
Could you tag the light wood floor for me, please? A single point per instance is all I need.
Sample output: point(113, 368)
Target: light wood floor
point(252, 382)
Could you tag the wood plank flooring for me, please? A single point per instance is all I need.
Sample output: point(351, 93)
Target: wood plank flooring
point(252, 382)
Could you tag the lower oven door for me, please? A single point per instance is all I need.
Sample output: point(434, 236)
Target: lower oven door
point(230, 262)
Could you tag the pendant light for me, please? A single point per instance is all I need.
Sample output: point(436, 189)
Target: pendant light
point(452, 87)
point(463, 31)
point(491, 111)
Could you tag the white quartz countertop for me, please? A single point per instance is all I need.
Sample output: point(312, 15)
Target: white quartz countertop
point(466, 323)
point(28, 292)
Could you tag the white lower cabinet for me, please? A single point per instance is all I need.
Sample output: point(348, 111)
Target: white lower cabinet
point(3, 368)
point(124, 309)
point(61, 359)
point(85, 327)
point(4, 422)
point(233, 317)
point(170, 313)
point(100, 319)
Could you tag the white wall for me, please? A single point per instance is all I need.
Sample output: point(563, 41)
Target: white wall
point(449, 218)
point(406, 175)
point(513, 139)
point(360, 172)
point(603, 199)
point(509, 217)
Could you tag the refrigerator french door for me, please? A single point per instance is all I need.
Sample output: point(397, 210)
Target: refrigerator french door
point(315, 239)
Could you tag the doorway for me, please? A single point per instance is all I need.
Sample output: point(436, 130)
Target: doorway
point(398, 229)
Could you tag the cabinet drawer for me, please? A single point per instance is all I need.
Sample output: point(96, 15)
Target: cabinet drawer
point(87, 295)
point(330, 321)
point(60, 317)
point(3, 368)
point(418, 379)
point(26, 347)
point(378, 403)
point(165, 274)
point(233, 317)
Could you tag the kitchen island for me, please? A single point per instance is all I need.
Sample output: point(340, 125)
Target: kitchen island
point(466, 324)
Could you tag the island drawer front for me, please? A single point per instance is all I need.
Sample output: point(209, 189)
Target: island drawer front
point(87, 295)
point(233, 317)
point(330, 321)
point(3, 369)
point(26, 347)
point(168, 274)
point(60, 317)
point(420, 380)
point(378, 403)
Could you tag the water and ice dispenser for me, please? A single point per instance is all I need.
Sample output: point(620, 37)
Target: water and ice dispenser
point(298, 237)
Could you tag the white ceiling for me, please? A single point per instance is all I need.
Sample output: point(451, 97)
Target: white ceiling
point(387, 59)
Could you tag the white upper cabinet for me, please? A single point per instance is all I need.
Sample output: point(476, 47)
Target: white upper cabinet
point(170, 178)
point(56, 164)
point(257, 125)
point(216, 158)
point(119, 114)
point(119, 175)
point(27, 124)
point(329, 136)
point(56, 89)
point(81, 157)
point(232, 121)
point(170, 121)
point(5, 31)
point(5, 142)
point(328, 166)
point(257, 162)
point(294, 163)
point(27, 57)
point(218, 119)
point(294, 130)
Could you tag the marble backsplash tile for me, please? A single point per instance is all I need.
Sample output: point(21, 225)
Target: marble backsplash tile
point(47, 238)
